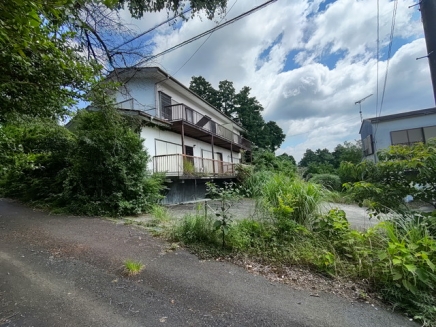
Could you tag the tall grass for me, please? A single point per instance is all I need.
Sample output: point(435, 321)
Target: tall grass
point(292, 199)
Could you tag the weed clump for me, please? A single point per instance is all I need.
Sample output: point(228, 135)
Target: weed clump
point(132, 268)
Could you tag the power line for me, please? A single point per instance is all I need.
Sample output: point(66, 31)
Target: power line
point(199, 36)
point(394, 13)
point(204, 40)
point(391, 38)
point(378, 53)
point(151, 29)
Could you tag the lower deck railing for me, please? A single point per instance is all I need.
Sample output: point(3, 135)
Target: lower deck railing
point(190, 166)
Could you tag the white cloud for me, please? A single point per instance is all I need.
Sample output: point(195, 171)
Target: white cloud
point(335, 63)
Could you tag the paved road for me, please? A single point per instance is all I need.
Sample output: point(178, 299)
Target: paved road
point(65, 271)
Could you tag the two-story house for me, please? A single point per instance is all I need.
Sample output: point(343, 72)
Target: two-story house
point(187, 138)
point(403, 128)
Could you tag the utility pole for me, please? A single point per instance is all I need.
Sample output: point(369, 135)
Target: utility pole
point(428, 13)
point(360, 106)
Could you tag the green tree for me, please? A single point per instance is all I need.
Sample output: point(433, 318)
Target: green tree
point(108, 173)
point(33, 160)
point(44, 69)
point(204, 89)
point(287, 157)
point(41, 74)
point(226, 97)
point(349, 152)
point(274, 135)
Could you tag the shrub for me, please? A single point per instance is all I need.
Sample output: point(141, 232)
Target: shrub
point(405, 267)
point(329, 181)
point(108, 173)
point(194, 229)
point(34, 159)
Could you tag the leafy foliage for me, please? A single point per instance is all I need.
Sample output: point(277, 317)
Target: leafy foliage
point(108, 174)
point(400, 171)
point(33, 160)
point(322, 161)
point(329, 181)
point(41, 73)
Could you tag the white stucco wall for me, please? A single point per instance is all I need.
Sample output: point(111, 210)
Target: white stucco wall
point(382, 132)
point(142, 90)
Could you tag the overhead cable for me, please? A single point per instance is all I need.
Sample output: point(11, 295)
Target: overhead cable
point(198, 49)
point(150, 30)
point(199, 36)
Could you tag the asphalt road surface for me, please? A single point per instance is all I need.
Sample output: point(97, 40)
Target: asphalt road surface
point(66, 271)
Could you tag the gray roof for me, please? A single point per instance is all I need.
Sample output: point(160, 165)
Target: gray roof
point(402, 115)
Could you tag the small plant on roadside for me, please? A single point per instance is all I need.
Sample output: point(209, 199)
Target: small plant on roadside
point(228, 196)
point(160, 213)
point(132, 268)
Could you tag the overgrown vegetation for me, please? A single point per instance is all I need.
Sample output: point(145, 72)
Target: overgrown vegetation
point(399, 172)
point(99, 169)
point(397, 258)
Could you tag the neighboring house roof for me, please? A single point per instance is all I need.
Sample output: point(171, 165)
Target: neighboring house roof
point(401, 115)
point(126, 73)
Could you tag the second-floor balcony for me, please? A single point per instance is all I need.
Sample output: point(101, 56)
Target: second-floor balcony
point(202, 126)
point(195, 125)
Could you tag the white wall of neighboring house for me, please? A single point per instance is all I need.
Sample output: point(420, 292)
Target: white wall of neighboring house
point(382, 130)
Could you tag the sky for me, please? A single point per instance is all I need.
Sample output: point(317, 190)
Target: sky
point(307, 62)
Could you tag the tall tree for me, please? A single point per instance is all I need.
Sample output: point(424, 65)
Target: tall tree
point(45, 47)
point(204, 89)
point(226, 97)
point(275, 135)
point(287, 157)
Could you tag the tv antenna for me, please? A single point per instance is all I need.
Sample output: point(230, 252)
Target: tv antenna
point(360, 106)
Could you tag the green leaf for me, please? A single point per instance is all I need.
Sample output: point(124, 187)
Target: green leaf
point(411, 268)
point(217, 224)
point(397, 262)
point(396, 275)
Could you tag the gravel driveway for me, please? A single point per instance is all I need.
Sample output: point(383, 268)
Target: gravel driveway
point(357, 216)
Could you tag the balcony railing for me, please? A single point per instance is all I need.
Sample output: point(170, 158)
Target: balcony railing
point(181, 112)
point(190, 166)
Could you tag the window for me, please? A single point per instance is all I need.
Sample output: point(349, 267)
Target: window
point(414, 135)
point(165, 106)
point(399, 137)
point(166, 148)
point(429, 132)
point(189, 115)
point(367, 146)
